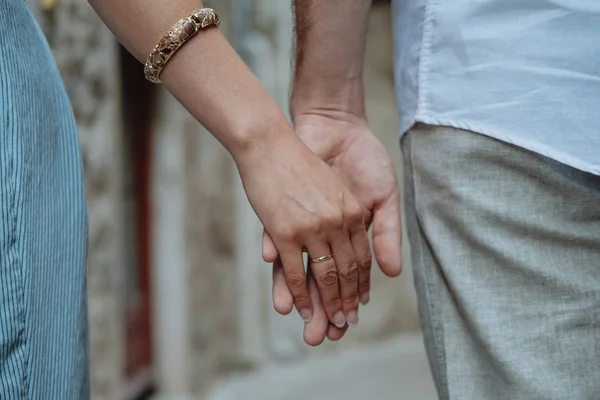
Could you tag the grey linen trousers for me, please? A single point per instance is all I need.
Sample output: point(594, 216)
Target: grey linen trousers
point(505, 247)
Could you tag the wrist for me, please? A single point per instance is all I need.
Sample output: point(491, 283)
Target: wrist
point(329, 98)
point(259, 136)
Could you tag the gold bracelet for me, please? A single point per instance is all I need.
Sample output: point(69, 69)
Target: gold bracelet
point(176, 37)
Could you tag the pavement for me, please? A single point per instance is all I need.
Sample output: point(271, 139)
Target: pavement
point(391, 370)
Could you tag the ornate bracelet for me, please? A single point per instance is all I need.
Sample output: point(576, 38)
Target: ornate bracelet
point(176, 37)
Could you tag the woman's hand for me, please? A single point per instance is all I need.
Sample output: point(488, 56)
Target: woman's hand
point(304, 205)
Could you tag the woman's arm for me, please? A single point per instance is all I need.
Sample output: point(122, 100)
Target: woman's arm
point(205, 75)
point(301, 202)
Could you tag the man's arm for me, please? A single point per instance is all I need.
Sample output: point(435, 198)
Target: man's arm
point(330, 45)
point(328, 110)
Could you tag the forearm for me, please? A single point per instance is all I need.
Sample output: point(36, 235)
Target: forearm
point(330, 45)
point(205, 75)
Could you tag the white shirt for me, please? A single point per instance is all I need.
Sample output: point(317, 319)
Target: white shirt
point(526, 72)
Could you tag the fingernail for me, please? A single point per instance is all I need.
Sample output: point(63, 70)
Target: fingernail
point(306, 315)
point(338, 319)
point(364, 298)
point(352, 318)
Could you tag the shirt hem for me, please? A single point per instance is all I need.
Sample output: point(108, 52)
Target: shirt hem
point(533, 146)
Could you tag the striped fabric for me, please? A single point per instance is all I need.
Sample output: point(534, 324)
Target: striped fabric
point(43, 225)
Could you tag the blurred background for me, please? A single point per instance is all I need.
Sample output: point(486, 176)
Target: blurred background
point(179, 298)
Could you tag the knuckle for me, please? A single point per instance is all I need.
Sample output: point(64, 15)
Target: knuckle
point(351, 300)
point(333, 304)
point(364, 287)
point(301, 299)
point(287, 232)
point(366, 259)
point(354, 213)
point(334, 220)
point(310, 225)
point(350, 273)
point(296, 280)
point(328, 278)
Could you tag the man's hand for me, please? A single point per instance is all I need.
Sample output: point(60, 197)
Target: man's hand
point(363, 163)
point(346, 144)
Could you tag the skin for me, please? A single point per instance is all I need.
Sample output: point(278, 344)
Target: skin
point(302, 202)
point(329, 116)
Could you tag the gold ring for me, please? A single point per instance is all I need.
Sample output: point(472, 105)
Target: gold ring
point(321, 259)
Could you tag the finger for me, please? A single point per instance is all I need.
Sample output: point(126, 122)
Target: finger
point(362, 250)
point(316, 329)
point(295, 277)
point(334, 333)
point(347, 268)
point(269, 251)
point(387, 236)
point(326, 277)
point(283, 301)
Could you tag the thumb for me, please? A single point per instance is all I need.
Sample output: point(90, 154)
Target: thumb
point(269, 251)
point(387, 235)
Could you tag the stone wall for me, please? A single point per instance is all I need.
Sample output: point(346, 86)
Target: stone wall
point(210, 236)
point(213, 297)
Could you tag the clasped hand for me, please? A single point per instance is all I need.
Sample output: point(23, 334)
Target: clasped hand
point(319, 192)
